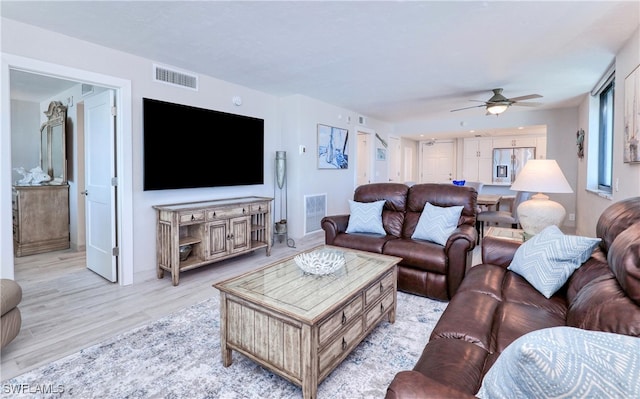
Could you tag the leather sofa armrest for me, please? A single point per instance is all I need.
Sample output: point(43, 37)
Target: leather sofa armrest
point(498, 251)
point(332, 225)
point(464, 232)
point(412, 384)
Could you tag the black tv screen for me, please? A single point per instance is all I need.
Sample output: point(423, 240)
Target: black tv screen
point(189, 147)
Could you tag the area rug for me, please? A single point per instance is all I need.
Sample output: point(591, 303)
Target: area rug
point(178, 356)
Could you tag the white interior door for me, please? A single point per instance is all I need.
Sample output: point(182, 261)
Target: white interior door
point(395, 158)
point(364, 159)
point(99, 126)
point(437, 160)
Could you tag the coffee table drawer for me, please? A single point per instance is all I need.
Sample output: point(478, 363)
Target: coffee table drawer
point(376, 312)
point(342, 345)
point(340, 319)
point(378, 289)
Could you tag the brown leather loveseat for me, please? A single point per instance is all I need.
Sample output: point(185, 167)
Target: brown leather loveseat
point(495, 306)
point(427, 268)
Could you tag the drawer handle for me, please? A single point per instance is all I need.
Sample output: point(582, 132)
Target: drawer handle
point(344, 344)
point(344, 318)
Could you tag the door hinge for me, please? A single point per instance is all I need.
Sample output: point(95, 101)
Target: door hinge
point(114, 181)
point(114, 111)
point(115, 251)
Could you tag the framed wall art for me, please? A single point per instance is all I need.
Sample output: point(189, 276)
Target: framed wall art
point(333, 145)
point(632, 117)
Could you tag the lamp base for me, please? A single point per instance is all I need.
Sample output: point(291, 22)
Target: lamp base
point(539, 212)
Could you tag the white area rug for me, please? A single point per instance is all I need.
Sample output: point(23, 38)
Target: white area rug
point(179, 357)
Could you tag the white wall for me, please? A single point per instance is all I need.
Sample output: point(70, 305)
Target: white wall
point(589, 204)
point(288, 123)
point(25, 137)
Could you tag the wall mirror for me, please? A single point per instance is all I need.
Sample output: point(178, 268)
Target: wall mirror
point(53, 157)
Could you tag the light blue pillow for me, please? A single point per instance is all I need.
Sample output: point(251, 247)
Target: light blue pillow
point(436, 223)
point(366, 217)
point(549, 258)
point(566, 362)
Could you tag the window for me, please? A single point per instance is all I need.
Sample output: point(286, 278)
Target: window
point(605, 138)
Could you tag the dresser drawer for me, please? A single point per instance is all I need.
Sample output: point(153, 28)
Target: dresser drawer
point(259, 208)
point(374, 314)
point(340, 319)
point(228, 213)
point(191, 217)
point(343, 344)
point(378, 289)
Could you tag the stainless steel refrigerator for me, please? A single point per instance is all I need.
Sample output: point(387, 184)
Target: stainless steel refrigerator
point(508, 162)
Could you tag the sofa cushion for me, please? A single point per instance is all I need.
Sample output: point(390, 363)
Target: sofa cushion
point(366, 217)
point(549, 258)
point(436, 223)
point(566, 362)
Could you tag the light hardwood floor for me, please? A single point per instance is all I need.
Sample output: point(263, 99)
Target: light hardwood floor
point(66, 307)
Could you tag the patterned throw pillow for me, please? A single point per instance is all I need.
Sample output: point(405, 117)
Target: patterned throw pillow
point(549, 258)
point(366, 217)
point(566, 362)
point(437, 223)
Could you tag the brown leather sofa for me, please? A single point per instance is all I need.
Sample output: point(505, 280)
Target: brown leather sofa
point(427, 268)
point(494, 306)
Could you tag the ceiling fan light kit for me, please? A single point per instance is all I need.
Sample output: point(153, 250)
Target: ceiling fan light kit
point(498, 103)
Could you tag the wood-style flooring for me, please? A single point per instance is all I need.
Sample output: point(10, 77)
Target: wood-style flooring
point(66, 307)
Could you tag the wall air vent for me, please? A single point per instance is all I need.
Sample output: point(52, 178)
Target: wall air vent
point(315, 208)
point(175, 77)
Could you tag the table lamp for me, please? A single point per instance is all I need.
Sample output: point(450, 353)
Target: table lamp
point(540, 175)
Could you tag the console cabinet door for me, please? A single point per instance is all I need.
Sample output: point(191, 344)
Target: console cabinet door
point(240, 239)
point(217, 245)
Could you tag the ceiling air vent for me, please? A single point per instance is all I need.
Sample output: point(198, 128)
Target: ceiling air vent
point(174, 77)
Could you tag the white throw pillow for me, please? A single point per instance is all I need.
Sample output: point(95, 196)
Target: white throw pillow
point(436, 223)
point(549, 258)
point(566, 362)
point(366, 217)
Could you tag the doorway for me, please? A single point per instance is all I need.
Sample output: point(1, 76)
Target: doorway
point(121, 225)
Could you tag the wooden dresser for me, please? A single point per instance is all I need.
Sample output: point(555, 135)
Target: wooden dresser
point(40, 219)
point(216, 230)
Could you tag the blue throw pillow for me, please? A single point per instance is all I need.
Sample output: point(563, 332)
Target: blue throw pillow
point(566, 362)
point(548, 259)
point(437, 223)
point(366, 217)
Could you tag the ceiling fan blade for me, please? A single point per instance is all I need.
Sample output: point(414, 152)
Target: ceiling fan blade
point(527, 104)
point(530, 96)
point(460, 109)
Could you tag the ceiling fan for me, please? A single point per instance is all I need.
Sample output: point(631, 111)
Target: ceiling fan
point(499, 103)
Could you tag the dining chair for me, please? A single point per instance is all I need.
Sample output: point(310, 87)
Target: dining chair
point(502, 217)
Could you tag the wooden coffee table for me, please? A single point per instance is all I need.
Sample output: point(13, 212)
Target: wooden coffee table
point(302, 326)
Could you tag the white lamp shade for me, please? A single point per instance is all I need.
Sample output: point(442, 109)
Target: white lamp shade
point(541, 175)
point(537, 176)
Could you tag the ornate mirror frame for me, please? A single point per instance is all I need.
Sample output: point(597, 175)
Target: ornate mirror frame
point(53, 156)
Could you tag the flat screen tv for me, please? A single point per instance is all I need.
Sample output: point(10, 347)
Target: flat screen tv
point(189, 147)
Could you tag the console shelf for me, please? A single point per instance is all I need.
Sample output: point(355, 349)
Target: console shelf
point(216, 229)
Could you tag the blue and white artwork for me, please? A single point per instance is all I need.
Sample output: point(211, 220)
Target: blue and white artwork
point(332, 147)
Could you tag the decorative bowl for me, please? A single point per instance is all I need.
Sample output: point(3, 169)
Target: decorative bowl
point(185, 251)
point(320, 262)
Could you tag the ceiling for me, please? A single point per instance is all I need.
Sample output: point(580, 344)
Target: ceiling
point(392, 61)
